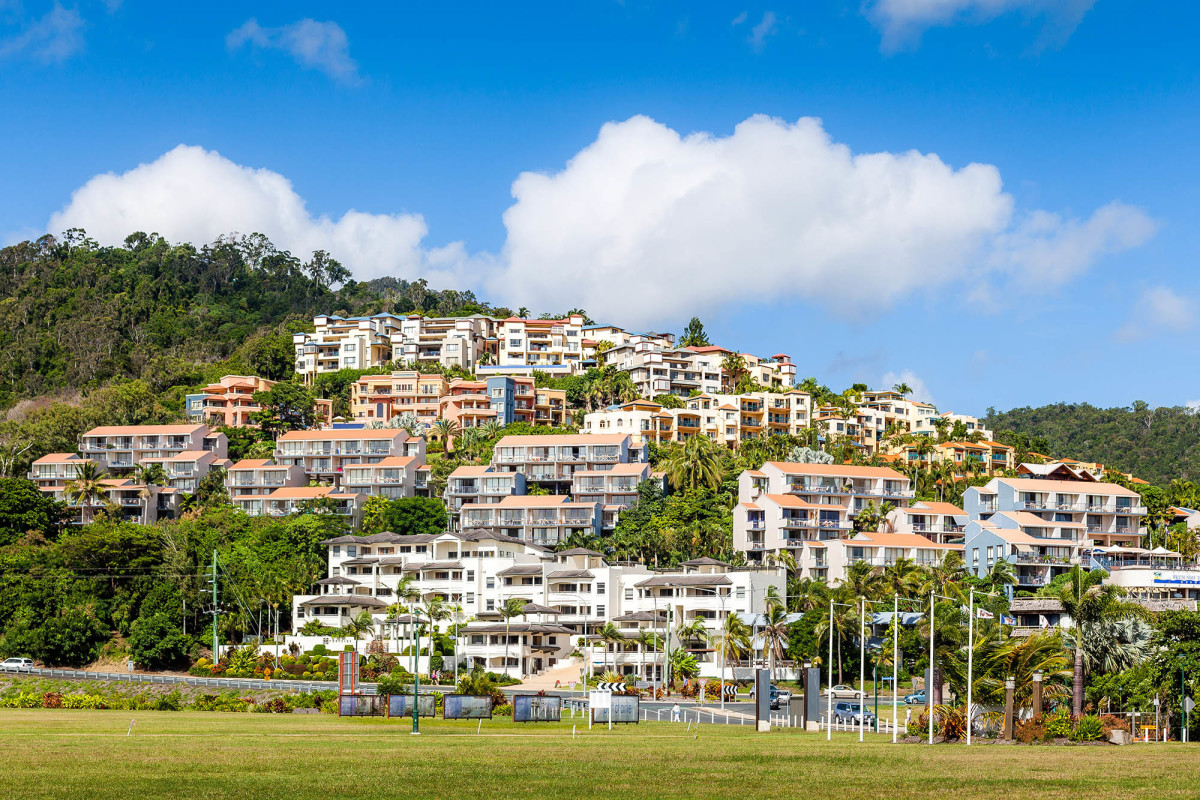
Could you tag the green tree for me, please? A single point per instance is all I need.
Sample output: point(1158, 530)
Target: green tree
point(87, 487)
point(409, 515)
point(286, 406)
point(694, 334)
point(23, 507)
point(158, 643)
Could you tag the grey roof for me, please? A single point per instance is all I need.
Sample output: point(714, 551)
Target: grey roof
point(1035, 604)
point(521, 569)
point(704, 562)
point(516, 627)
point(579, 551)
point(434, 565)
point(336, 580)
point(571, 573)
point(641, 616)
point(346, 600)
point(686, 580)
point(360, 562)
point(534, 608)
point(478, 534)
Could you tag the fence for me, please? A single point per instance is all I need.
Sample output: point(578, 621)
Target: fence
point(188, 680)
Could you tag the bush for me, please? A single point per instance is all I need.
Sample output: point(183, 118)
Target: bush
point(1088, 729)
point(52, 700)
point(919, 725)
point(1028, 731)
point(505, 710)
point(1112, 723)
point(1059, 726)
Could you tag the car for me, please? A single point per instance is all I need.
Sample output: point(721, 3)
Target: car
point(915, 699)
point(851, 712)
point(841, 690)
point(16, 665)
point(779, 697)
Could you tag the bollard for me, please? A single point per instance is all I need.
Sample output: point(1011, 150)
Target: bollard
point(1037, 692)
point(1009, 687)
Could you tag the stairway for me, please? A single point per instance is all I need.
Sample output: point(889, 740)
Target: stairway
point(566, 672)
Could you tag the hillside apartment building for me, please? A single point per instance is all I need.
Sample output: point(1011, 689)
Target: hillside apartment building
point(186, 454)
point(230, 403)
point(727, 419)
point(573, 592)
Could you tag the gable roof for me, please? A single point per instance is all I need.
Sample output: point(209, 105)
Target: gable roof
point(837, 470)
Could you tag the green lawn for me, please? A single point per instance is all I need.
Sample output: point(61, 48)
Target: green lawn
point(86, 754)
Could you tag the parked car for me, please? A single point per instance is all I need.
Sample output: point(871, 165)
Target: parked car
point(847, 713)
point(841, 690)
point(779, 697)
point(915, 699)
point(16, 665)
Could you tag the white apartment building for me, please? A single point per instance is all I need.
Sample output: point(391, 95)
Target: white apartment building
point(897, 409)
point(256, 477)
point(572, 594)
point(527, 346)
point(831, 559)
point(944, 523)
point(338, 343)
point(799, 507)
point(772, 372)
point(552, 460)
point(926, 424)
point(543, 520)
point(448, 341)
point(617, 336)
point(325, 454)
point(119, 448)
point(656, 370)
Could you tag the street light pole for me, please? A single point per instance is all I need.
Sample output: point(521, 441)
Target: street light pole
point(895, 660)
point(862, 664)
point(932, 670)
point(970, 658)
point(829, 673)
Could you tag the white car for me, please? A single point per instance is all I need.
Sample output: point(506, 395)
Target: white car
point(16, 665)
point(841, 690)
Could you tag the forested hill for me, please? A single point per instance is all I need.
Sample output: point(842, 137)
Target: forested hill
point(75, 315)
point(1156, 444)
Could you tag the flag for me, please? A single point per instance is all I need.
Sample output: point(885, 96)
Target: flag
point(983, 613)
point(1045, 623)
point(1007, 620)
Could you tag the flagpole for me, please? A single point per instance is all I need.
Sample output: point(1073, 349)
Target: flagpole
point(970, 659)
point(932, 670)
point(895, 659)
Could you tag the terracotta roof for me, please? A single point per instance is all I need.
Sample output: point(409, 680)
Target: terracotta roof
point(304, 493)
point(936, 507)
point(899, 540)
point(347, 434)
point(791, 501)
point(557, 439)
point(1068, 487)
point(58, 457)
point(141, 430)
point(473, 471)
point(1027, 519)
point(1017, 537)
point(390, 461)
point(251, 463)
point(837, 470)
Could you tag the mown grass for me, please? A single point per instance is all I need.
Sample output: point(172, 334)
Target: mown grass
point(86, 754)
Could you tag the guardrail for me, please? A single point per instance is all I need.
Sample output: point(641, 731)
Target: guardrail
point(191, 680)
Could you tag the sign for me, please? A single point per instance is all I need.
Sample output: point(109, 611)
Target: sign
point(400, 705)
point(729, 691)
point(1188, 704)
point(621, 708)
point(347, 673)
point(466, 706)
point(537, 708)
point(762, 696)
point(599, 699)
point(361, 705)
point(610, 686)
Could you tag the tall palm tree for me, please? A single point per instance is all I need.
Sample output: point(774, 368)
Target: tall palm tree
point(775, 633)
point(902, 578)
point(359, 626)
point(512, 607)
point(435, 610)
point(809, 593)
point(611, 635)
point(446, 430)
point(694, 465)
point(731, 641)
point(1089, 603)
point(87, 487)
point(1002, 574)
point(647, 640)
point(944, 576)
point(491, 429)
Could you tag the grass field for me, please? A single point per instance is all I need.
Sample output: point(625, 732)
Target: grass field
point(86, 754)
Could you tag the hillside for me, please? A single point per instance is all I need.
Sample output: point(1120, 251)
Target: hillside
point(1156, 444)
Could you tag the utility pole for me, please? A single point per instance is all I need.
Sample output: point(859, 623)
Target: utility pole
point(215, 612)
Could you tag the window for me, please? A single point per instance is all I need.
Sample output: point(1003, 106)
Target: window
point(600, 588)
point(975, 557)
point(491, 605)
point(629, 594)
point(600, 611)
point(741, 592)
point(470, 597)
point(514, 342)
point(989, 554)
point(351, 550)
point(491, 583)
point(470, 574)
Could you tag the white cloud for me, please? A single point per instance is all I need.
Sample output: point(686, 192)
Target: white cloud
point(739, 19)
point(1159, 310)
point(193, 194)
point(646, 227)
point(315, 45)
point(1193, 406)
point(760, 32)
point(53, 38)
point(903, 21)
point(920, 391)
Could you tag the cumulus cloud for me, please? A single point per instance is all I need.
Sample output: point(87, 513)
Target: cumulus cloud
point(314, 45)
point(760, 32)
point(1159, 310)
point(920, 391)
point(52, 38)
point(645, 224)
point(193, 194)
point(647, 227)
point(903, 21)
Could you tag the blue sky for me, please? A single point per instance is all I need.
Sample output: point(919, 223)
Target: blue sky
point(864, 244)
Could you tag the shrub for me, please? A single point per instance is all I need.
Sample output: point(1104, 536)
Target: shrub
point(505, 710)
point(169, 702)
point(1059, 726)
point(52, 700)
point(1028, 731)
point(1112, 723)
point(88, 701)
point(1088, 729)
point(919, 725)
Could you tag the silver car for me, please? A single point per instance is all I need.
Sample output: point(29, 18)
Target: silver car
point(852, 713)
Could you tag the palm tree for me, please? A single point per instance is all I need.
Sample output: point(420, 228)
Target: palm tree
point(944, 576)
point(1001, 574)
point(646, 639)
point(731, 641)
point(861, 581)
point(491, 429)
point(447, 429)
point(1089, 604)
point(359, 626)
point(513, 607)
point(87, 487)
point(775, 632)
point(611, 635)
point(903, 577)
point(694, 631)
point(694, 465)
point(435, 610)
point(902, 388)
